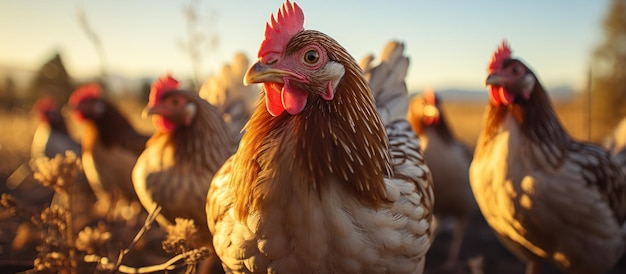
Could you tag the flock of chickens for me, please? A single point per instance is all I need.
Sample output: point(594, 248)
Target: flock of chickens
point(337, 171)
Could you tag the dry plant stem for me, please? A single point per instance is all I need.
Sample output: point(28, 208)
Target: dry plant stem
point(168, 265)
point(146, 226)
point(69, 220)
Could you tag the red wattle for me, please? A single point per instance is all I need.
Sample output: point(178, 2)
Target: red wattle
point(499, 96)
point(162, 124)
point(273, 101)
point(294, 100)
point(494, 95)
point(507, 98)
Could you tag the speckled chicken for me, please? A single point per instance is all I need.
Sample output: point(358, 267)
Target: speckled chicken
point(190, 144)
point(449, 161)
point(548, 197)
point(319, 183)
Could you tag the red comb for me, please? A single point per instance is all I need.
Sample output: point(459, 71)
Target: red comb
point(289, 21)
point(160, 86)
point(502, 53)
point(83, 92)
point(44, 104)
point(429, 96)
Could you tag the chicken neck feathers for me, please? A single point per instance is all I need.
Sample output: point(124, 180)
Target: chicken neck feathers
point(206, 143)
point(347, 130)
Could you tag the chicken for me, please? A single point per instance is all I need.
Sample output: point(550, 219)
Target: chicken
point(616, 142)
point(319, 184)
point(51, 136)
point(449, 161)
point(191, 143)
point(110, 147)
point(227, 92)
point(547, 197)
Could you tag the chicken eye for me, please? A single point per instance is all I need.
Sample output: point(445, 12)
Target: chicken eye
point(517, 70)
point(174, 101)
point(311, 57)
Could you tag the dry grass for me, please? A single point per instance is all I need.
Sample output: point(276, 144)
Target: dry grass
point(466, 118)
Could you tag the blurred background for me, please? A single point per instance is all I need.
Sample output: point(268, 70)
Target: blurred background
point(576, 48)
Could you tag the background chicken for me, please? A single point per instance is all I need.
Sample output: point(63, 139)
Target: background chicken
point(318, 183)
point(547, 196)
point(110, 147)
point(449, 161)
point(616, 142)
point(191, 143)
point(232, 98)
point(51, 136)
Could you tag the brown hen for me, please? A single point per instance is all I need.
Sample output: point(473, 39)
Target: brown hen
point(191, 143)
point(319, 183)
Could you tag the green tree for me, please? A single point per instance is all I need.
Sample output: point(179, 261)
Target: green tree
point(609, 72)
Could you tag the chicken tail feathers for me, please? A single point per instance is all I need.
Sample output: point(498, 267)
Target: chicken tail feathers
point(620, 159)
point(227, 93)
point(387, 81)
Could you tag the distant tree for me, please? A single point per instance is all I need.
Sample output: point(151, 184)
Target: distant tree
point(144, 94)
point(200, 39)
point(52, 80)
point(609, 73)
point(8, 99)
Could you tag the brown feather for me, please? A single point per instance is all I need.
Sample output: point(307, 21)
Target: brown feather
point(111, 128)
point(206, 143)
point(342, 138)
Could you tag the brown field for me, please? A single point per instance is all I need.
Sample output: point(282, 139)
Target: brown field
point(465, 118)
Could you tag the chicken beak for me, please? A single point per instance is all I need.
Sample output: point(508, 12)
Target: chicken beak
point(260, 73)
point(67, 110)
point(494, 79)
point(147, 111)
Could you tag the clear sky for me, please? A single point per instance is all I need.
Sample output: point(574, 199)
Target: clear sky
point(449, 42)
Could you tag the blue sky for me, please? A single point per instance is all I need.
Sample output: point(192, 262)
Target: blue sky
point(449, 42)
